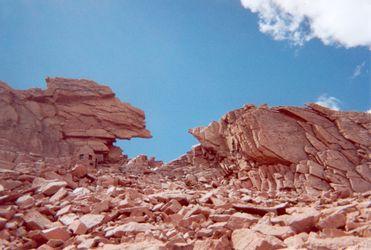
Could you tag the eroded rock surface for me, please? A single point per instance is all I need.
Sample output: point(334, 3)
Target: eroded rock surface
point(69, 113)
point(310, 149)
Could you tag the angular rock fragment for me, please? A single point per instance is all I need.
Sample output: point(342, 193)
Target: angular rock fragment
point(248, 239)
point(35, 220)
point(56, 233)
point(131, 227)
point(92, 220)
point(50, 188)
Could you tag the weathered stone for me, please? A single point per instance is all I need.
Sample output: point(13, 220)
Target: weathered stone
point(68, 114)
point(281, 232)
point(25, 201)
point(79, 170)
point(92, 220)
point(131, 227)
point(302, 221)
point(241, 220)
point(339, 243)
point(50, 188)
point(77, 227)
point(248, 239)
point(56, 233)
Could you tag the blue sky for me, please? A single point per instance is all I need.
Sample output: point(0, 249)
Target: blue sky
point(185, 62)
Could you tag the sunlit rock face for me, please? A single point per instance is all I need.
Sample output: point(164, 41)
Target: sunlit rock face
point(311, 149)
point(69, 113)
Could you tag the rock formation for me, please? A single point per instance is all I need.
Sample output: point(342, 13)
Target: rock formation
point(261, 178)
point(310, 149)
point(70, 113)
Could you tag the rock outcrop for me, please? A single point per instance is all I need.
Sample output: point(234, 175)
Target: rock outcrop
point(310, 149)
point(70, 113)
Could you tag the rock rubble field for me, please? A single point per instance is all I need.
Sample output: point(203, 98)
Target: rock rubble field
point(260, 178)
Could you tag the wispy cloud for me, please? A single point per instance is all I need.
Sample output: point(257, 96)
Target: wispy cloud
point(328, 102)
point(341, 22)
point(358, 70)
point(368, 111)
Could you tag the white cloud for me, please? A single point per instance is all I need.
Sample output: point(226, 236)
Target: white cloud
point(328, 102)
point(358, 70)
point(341, 22)
point(368, 111)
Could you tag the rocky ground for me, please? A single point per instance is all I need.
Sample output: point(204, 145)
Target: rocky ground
point(136, 206)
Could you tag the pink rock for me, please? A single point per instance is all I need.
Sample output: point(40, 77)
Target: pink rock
point(334, 220)
point(131, 227)
point(81, 108)
point(25, 201)
point(92, 220)
point(50, 188)
point(296, 241)
point(352, 242)
point(79, 170)
point(300, 222)
point(281, 232)
point(61, 193)
point(35, 220)
point(172, 207)
point(248, 239)
point(241, 220)
point(77, 227)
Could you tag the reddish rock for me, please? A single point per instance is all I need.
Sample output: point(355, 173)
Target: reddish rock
point(77, 227)
point(334, 220)
point(50, 188)
point(79, 170)
point(351, 242)
point(35, 220)
point(302, 221)
point(243, 239)
point(25, 201)
point(281, 232)
point(68, 114)
point(296, 241)
point(172, 207)
point(61, 193)
point(67, 219)
point(241, 220)
point(3, 222)
point(131, 227)
point(222, 243)
point(56, 233)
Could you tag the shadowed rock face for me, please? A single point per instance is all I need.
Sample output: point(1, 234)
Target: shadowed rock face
point(69, 113)
point(314, 148)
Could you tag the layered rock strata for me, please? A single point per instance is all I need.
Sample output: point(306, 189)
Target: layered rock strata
point(309, 149)
point(68, 114)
